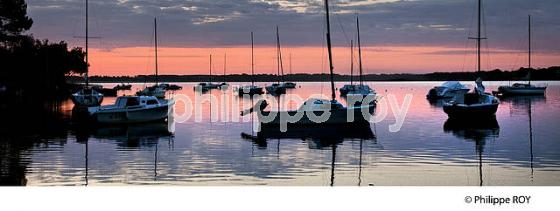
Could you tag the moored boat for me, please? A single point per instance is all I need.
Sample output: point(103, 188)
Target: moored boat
point(132, 109)
point(523, 88)
point(448, 89)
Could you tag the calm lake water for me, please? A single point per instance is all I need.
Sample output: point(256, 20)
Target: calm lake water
point(426, 150)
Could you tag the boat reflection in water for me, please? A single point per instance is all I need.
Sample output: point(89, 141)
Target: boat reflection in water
point(318, 138)
point(132, 136)
point(524, 105)
point(478, 131)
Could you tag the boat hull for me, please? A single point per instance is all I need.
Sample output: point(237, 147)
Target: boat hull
point(276, 90)
point(470, 111)
point(127, 116)
point(337, 117)
point(516, 91)
point(250, 91)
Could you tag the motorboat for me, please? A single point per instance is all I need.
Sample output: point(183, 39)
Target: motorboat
point(449, 89)
point(132, 109)
point(472, 105)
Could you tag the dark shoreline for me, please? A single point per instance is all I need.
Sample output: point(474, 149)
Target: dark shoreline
point(544, 74)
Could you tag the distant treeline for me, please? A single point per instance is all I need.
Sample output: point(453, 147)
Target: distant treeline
point(551, 73)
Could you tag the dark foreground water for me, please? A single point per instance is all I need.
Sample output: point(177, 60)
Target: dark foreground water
point(521, 148)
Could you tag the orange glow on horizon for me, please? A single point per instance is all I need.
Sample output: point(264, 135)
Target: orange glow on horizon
point(376, 60)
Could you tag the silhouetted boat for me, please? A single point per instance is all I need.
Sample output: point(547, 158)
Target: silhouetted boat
point(278, 88)
point(87, 96)
point(449, 89)
point(477, 104)
point(524, 88)
point(155, 90)
point(360, 89)
point(251, 89)
point(203, 86)
point(339, 115)
point(122, 87)
point(132, 109)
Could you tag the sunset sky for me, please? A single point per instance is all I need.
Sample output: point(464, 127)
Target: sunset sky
point(397, 36)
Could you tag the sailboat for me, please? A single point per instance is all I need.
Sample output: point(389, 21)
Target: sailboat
point(288, 84)
point(339, 114)
point(278, 88)
point(87, 96)
point(361, 88)
point(155, 90)
point(251, 89)
point(224, 84)
point(478, 104)
point(203, 86)
point(524, 88)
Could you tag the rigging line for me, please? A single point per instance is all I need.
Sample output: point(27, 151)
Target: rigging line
point(342, 28)
point(323, 52)
point(486, 45)
point(469, 34)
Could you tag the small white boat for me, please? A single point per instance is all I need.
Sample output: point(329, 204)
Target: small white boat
point(472, 105)
point(87, 97)
point(132, 109)
point(449, 89)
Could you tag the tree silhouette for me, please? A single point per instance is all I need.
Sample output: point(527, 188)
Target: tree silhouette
point(13, 20)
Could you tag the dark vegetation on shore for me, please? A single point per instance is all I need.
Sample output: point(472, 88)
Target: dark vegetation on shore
point(32, 71)
point(550, 73)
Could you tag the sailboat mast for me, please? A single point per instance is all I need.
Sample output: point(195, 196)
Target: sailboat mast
point(478, 38)
point(156, 48)
point(210, 68)
point(329, 46)
point(225, 66)
point(87, 44)
point(359, 50)
point(252, 61)
point(279, 55)
point(529, 28)
point(351, 62)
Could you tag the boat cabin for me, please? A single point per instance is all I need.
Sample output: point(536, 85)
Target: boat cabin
point(135, 101)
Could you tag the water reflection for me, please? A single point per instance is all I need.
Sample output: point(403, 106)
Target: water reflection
point(322, 137)
point(524, 104)
point(478, 131)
